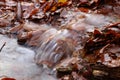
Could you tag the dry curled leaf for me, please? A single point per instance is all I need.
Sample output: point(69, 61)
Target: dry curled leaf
point(104, 46)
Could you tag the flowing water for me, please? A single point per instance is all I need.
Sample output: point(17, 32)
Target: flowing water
point(18, 62)
point(54, 45)
point(51, 44)
point(58, 44)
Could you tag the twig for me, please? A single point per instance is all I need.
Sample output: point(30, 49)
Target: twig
point(2, 46)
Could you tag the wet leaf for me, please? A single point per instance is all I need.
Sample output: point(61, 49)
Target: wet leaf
point(8, 79)
point(62, 1)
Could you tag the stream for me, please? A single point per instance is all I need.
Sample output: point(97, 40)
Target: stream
point(18, 62)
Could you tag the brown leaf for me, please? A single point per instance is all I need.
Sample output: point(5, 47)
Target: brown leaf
point(8, 79)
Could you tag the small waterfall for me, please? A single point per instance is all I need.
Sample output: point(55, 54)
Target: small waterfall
point(53, 47)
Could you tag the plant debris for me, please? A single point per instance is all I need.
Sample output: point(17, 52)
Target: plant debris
point(105, 45)
point(8, 79)
point(2, 46)
point(75, 37)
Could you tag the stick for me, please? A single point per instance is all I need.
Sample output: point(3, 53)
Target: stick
point(2, 46)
